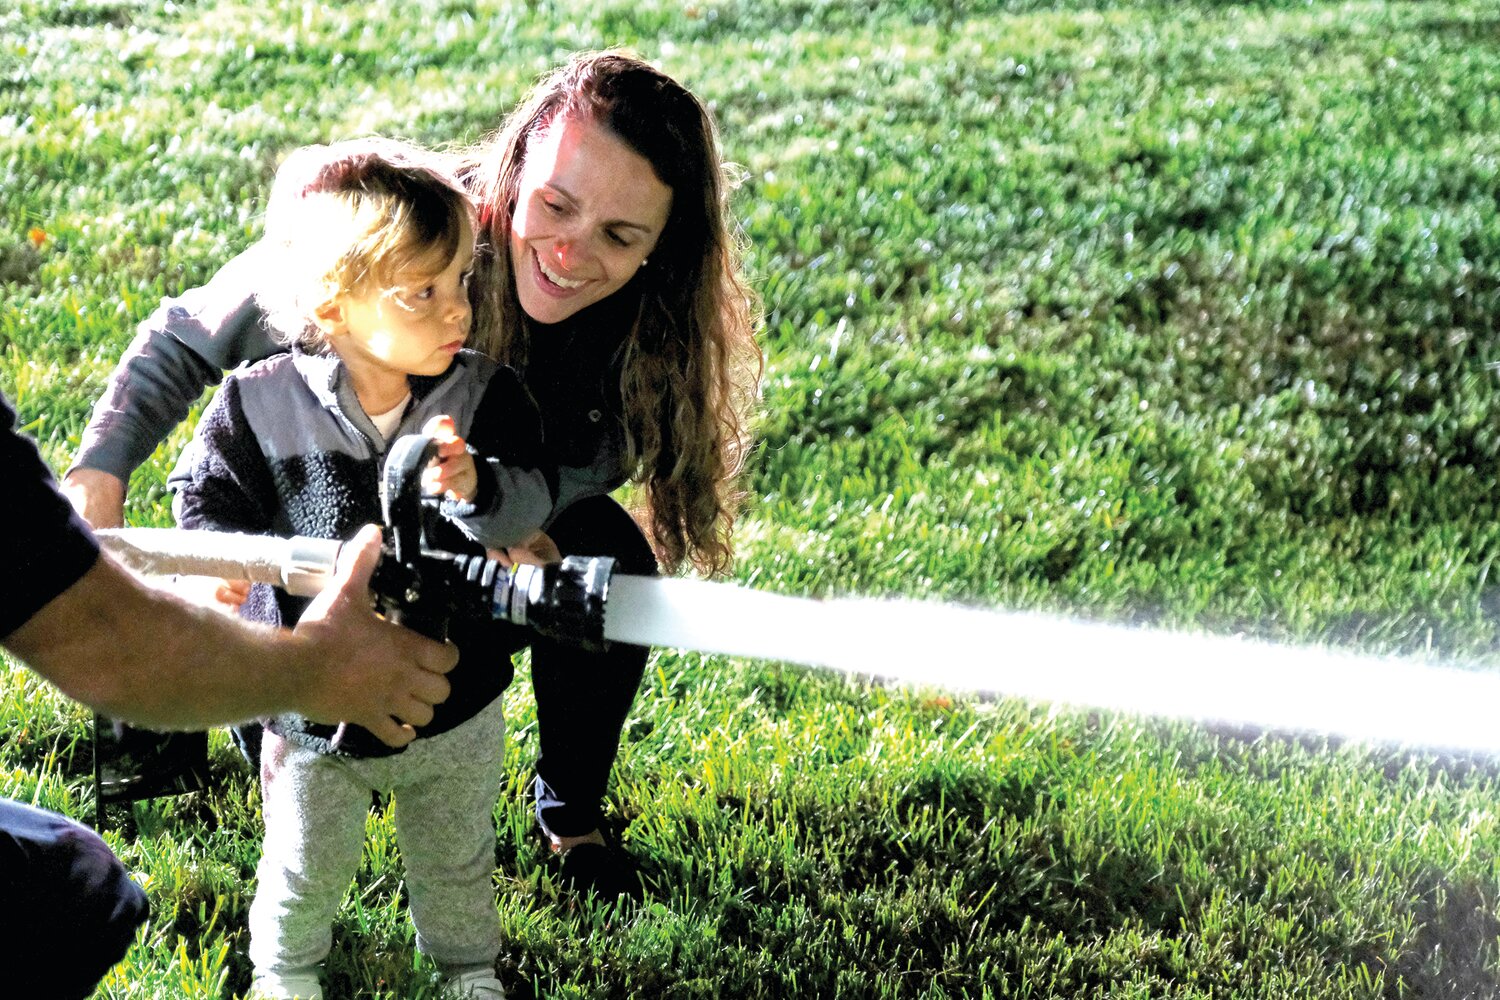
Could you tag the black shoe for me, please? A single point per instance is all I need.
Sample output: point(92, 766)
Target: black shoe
point(604, 871)
point(247, 736)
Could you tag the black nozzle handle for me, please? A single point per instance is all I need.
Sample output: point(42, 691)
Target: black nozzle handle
point(401, 493)
point(425, 588)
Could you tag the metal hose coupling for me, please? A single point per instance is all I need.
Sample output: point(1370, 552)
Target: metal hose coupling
point(559, 600)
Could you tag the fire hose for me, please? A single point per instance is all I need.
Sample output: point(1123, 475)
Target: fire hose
point(1220, 680)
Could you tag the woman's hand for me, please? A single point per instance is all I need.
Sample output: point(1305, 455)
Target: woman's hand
point(538, 550)
point(99, 497)
point(452, 472)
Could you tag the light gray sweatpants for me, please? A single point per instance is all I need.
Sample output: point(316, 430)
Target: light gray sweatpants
point(445, 788)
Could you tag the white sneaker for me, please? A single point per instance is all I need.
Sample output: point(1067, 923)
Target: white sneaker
point(481, 985)
point(291, 986)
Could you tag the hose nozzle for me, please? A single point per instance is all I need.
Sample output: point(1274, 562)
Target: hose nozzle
point(560, 600)
point(563, 601)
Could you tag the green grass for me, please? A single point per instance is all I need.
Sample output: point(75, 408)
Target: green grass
point(1176, 314)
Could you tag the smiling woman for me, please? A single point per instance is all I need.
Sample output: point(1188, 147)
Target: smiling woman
point(608, 277)
point(610, 175)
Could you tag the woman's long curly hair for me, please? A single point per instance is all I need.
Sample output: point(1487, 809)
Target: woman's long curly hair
point(691, 364)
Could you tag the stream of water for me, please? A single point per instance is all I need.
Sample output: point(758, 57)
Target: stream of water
point(1211, 679)
point(1205, 678)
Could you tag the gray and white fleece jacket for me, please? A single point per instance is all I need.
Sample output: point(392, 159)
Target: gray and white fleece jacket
point(285, 449)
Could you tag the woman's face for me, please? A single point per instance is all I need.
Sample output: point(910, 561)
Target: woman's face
point(588, 212)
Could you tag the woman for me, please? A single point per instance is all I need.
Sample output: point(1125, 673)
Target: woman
point(610, 281)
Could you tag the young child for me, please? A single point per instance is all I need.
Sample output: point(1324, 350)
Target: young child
point(369, 247)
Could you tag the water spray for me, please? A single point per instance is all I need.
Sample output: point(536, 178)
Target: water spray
point(1209, 679)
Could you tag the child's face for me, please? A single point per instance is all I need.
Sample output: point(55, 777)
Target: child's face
point(414, 326)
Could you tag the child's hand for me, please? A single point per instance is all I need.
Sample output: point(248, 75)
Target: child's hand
point(211, 592)
point(452, 472)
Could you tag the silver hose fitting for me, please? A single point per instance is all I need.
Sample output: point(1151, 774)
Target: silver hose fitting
point(559, 600)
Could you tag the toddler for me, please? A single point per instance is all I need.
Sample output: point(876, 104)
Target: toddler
point(368, 251)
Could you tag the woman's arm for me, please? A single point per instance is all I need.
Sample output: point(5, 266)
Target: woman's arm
point(512, 505)
point(184, 346)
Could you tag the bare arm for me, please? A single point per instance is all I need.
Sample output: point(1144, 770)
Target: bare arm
point(147, 657)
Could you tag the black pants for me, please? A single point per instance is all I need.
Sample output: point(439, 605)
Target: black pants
point(68, 910)
point(583, 698)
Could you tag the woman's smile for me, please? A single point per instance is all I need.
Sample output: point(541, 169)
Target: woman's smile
point(568, 284)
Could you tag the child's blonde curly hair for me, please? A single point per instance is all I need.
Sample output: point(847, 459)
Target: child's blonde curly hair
point(348, 217)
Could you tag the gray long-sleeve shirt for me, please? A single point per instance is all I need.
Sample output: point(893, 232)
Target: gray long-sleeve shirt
point(189, 341)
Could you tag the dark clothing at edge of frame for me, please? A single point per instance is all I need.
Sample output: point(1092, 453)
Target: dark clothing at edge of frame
point(48, 547)
point(69, 909)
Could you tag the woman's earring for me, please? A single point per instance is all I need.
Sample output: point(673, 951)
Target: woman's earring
point(644, 262)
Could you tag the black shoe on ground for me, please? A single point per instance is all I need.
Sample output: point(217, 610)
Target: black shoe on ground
point(603, 870)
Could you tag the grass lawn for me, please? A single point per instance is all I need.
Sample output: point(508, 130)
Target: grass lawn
point(1177, 315)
